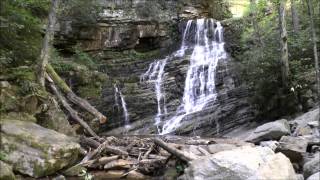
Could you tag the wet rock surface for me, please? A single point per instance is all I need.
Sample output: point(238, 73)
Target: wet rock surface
point(127, 40)
point(230, 110)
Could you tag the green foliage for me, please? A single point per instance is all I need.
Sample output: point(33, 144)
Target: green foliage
point(218, 9)
point(83, 58)
point(20, 31)
point(2, 156)
point(25, 78)
point(148, 9)
point(261, 64)
point(81, 11)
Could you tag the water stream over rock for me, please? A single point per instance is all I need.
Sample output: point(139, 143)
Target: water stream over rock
point(117, 95)
point(205, 38)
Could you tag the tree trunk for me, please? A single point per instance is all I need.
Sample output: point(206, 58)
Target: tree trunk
point(176, 152)
point(73, 97)
point(254, 22)
point(48, 38)
point(295, 16)
point(72, 112)
point(314, 40)
point(283, 43)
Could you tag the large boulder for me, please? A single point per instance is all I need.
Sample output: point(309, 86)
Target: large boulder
point(54, 118)
point(6, 172)
point(293, 147)
point(34, 150)
point(270, 131)
point(306, 124)
point(315, 176)
point(312, 166)
point(241, 164)
point(215, 148)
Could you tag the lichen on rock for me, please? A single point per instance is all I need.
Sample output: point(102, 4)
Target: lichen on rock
point(34, 150)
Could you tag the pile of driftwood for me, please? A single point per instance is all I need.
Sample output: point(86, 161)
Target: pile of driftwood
point(128, 157)
point(134, 157)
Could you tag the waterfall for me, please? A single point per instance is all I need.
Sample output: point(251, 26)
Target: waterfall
point(200, 81)
point(183, 47)
point(207, 49)
point(117, 95)
point(155, 74)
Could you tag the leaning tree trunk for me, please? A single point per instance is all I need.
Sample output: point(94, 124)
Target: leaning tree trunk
point(48, 38)
point(73, 97)
point(283, 43)
point(314, 39)
point(295, 16)
point(73, 114)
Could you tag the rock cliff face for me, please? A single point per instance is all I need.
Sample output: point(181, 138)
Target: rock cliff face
point(133, 24)
point(130, 35)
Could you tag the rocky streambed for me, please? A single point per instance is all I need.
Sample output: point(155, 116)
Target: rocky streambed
point(276, 150)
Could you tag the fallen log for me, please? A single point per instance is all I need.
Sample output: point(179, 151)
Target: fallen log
point(92, 154)
point(72, 112)
point(145, 156)
point(84, 141)
point(103, 147)
point(99, 162)
point(203, 151)
point(153, 156)
point(180, 154)
point(151, 161)
point(119, 164)
point(115, 150)
point(84, 104)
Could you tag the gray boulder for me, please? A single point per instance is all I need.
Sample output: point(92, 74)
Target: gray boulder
point(241, 164)
point(307, 124)
point(293, 147)
point(270, 131)
point(312, 166)
point(315, 176)
point(271, 144)
point(300, 177)
point(215, 148)
point(36, 151)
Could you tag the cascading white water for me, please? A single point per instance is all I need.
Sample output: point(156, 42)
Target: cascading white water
point(200, 81)
point(183, 47)
point(208, 49)
point(117, 95)
point(155, 73)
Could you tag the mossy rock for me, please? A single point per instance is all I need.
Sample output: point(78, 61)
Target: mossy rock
point(36, 151)
point(54, 118)
point(8, 100)
point(76, 170)
point(6, 172)
point(21, 116)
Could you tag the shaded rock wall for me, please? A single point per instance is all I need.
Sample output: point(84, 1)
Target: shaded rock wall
point(130, 35)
